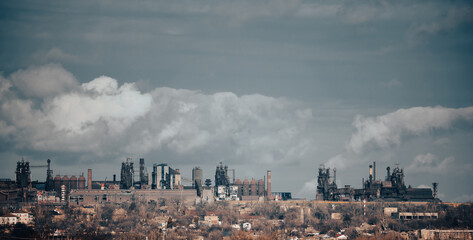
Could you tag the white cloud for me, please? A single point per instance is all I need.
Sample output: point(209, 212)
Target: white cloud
point(87, 118)
point(389, 129)
point(44, 81)
point(117, 106)
point(101, 117)
point(5, 85)
point(225, 126)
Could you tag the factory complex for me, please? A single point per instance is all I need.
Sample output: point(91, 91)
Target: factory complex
point(166, 182)
point(393, 188)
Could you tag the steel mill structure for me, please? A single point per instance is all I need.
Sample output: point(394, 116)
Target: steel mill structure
point(164, 182)
point(392, 188)
point(167, 182)
point(240, 190)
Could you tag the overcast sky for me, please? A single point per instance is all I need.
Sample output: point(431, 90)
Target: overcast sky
point(259, 85)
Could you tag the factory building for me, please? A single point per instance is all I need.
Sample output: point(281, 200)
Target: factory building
point(250, 189)
point(69, 183)
point(98, 196)
point(164, 177)
point(393, 188)
point(49, 177)
point(59, 188)
point(221, 175)
point(26, 190)
point(143, 184)
point(23, 174)
point(327, 187)
point(237, 190)
point(127, 175)
point(197, 179)
point(81, 182)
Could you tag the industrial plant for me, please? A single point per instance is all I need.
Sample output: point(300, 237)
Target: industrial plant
point(166, 204)
point(392, 188)
point(167, 182)
point(164, 182)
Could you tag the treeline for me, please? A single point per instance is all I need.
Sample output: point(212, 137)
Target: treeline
point(270, 220)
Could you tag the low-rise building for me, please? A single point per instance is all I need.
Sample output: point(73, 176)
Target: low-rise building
point(211, 220)
point(388, 211)
point(418, 215)
point(23, 217)
point(336, 216)
point(9, 219)
point(428, 234)
point(96, 196)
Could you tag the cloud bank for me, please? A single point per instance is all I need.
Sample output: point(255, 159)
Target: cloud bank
point(104, 118)
point(392, 129)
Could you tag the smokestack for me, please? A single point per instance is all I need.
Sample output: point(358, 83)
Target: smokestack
point(142, 171)
point(89, 179)
point(335, 175)
point(374, 171)
point(388, 176)
point(49, 167)
point(269, 185)
point(371, 173)
point(233, 176)
point(435, 188)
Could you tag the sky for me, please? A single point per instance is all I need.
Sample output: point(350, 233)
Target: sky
point(275, 85)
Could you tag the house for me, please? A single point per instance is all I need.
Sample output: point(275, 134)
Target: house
point(9, 219)
point(23, 217)
point(336, 216)
point(211, 220)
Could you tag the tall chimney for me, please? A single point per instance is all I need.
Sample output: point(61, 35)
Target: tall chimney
point(48, 172)
point(435, 188)
point(269, 185)
point(89, 179)
point(388, 175)
point(374, 171)
point(335, 175)
point(371, 173)
point(142, 171)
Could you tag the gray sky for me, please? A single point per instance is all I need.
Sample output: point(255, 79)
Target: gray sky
point(280, 85)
